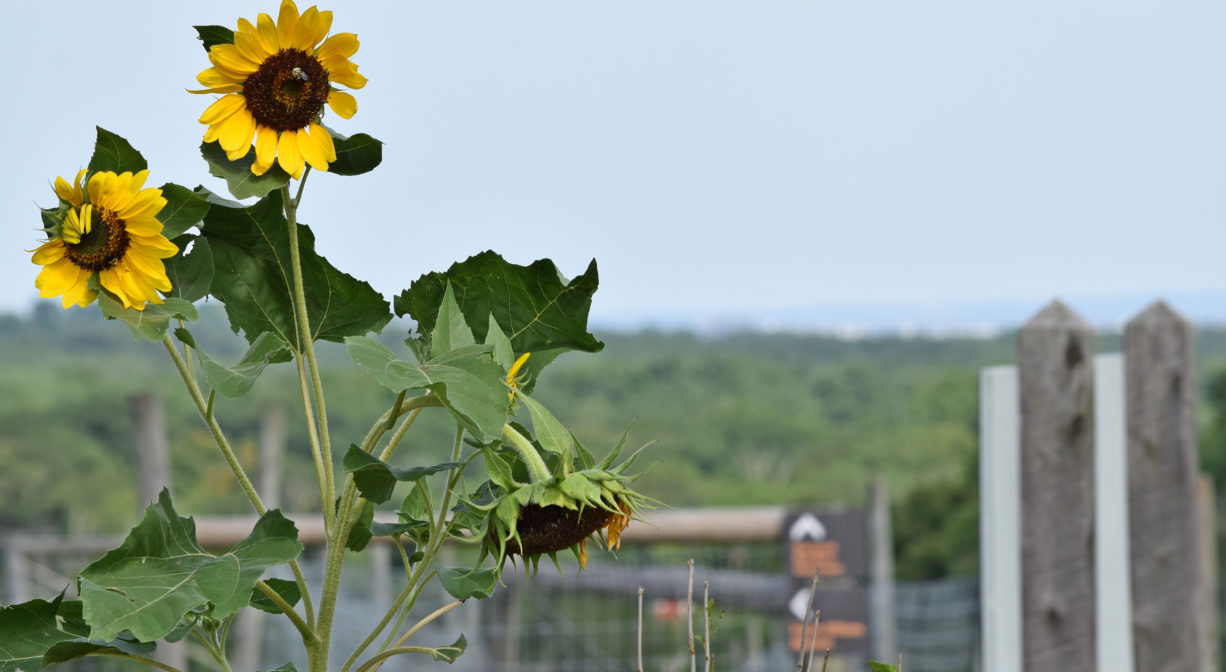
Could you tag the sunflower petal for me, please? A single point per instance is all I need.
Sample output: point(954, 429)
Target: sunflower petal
point(156, 246)
point(343, 104)
point(311, 149)
point(340, 45)
point(346, 74)
point(146, 204)
point(312, 27)
point(49, 252)
point(288, 155)
point(266, 31)
point(287, 23)
point(58, 277)
point(229, 59)
point(222, 108)
point(324, 138)
point(237, 131)
point(265, 149)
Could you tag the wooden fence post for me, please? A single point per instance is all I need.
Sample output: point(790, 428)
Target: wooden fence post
point(1167, 602)
point(152, 449)
point(1056, 371)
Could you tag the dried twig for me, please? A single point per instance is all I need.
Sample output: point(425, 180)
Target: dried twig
point(817, 620)
point(640, 669)
point(690, 617)
point(800, 657)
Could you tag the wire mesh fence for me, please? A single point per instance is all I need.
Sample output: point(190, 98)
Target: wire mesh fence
point(555, 622)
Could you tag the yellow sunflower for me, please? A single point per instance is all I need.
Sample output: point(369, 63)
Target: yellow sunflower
point(109, 229)
point(276, 78)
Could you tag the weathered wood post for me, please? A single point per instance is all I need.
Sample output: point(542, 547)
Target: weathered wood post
point(1168, 607)
point(152, 448)
point(1055, 366)
point(883, 627)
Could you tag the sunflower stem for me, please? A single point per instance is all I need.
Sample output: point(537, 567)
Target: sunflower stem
point(205, 409)
point(536, 466)
point(327, 485)
point(317, 455)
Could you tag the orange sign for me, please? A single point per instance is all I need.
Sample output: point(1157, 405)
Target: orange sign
point(828, 633)
point(810, 556)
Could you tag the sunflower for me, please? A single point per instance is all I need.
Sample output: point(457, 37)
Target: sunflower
point(109, 230)
point(276, 78)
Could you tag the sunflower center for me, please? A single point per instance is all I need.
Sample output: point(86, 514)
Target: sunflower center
point(104, 245)
point(287, 91)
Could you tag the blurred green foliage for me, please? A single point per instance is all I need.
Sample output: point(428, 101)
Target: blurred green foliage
point(738, 419)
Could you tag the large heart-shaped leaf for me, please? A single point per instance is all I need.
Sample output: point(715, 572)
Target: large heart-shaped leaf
point(27, 631)
point(538, 309)
point(240, 181)
point(161, 573)
point(251, 260)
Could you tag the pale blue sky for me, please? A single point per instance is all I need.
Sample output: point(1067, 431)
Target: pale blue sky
point(714, 156)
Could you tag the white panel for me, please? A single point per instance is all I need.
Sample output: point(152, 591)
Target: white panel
point(999, 519)
point(1113, 589)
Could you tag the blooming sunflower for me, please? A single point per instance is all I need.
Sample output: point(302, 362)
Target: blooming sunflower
point(276, 78)
point(109, 229)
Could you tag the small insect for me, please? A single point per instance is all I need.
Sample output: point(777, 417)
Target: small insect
point(299, 74)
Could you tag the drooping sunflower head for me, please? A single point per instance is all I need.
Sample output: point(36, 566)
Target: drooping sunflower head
point(106, 230)
point(577, 504)
point(275, 79)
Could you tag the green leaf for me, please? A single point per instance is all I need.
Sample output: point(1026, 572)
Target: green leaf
point(451, 332)
point(360, 534)
point(288, 590)
point(251, 260)
point(27, 631)
point(240, 181)
point(161, 573)
point(113, 153)
point(235, 381)
point(211, 35)
point(449, 654)
point(190, 274)
point(539, 310)
point(550, 432)
point(504, 353)
point(287, 667)
point(377, 479)
point(184, 209)
point(152, 322)
point(396, 529)
point(356, 154)
point(499, 470)
point(81, 647)
point(467, 382)
point(875, 666)
point(463, 584)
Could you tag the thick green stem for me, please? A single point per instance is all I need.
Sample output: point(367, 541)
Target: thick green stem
point(327, 484)
point(536, 466)
point(321, 472)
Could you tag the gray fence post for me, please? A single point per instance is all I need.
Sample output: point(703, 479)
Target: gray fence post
point(1167, 602)
point(1056, 371)
point(152, 451)
point(883, 628)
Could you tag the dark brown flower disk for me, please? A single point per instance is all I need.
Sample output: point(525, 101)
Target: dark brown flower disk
point(547, 529)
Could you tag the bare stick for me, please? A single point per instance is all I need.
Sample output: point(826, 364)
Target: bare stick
point(690, 617)
point(817, 619)
point(800, 657)
point(826, 661)
point(640, 669)
point(706, 622)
